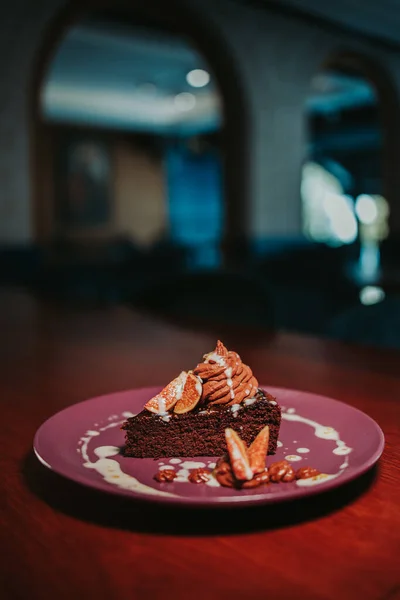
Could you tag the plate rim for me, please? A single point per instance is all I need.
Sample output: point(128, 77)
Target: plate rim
point(215, 502)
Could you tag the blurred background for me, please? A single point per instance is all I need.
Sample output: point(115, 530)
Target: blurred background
point(213, 162)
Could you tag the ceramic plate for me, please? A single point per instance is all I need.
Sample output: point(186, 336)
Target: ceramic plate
point(83, 443)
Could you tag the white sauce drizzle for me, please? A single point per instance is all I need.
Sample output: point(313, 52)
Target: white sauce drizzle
point(191, 464)
point(229, 382)
point(317, 480)
point(180, 385)
point(112, 473)
point(342, 450)
point(320, 431)
point(182, 474)
point(249, 401)
point(303, 450)
point(293, 457)
point(212, 482)
point(235, 409)
point(219, 360)
point(161, 406)
point(345, 463)
point(325, 433)
point(199, 387)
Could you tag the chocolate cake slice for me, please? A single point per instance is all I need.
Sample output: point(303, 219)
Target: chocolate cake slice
point(201, 433)
point(189, 416)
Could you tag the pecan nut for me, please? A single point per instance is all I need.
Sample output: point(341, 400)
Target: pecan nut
point(165, 475)
point(200, 475)
point(259, 479)
point(224, 475)
point(307, 472)
point(281, 471)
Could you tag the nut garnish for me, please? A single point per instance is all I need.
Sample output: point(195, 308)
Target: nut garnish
point(259, 479)
point(200, 475)
point(165, 475)
point(258, 450)
point(307, 472)
point(238, 456)
point(281, 471)
point(223, 473)
point(242, 467)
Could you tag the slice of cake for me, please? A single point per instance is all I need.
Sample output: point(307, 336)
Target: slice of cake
point(190, 415)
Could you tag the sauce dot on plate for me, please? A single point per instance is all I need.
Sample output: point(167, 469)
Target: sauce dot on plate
point(293, 457)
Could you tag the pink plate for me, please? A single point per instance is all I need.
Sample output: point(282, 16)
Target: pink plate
point(82, 443)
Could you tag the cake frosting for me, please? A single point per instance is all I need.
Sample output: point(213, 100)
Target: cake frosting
point(221, 379)
point(225, 378)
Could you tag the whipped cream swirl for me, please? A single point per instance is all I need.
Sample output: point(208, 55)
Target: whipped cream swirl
point(226, 380)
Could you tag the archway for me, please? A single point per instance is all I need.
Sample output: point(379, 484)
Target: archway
point(380, 80)
point(178, 20)
point(353, 125)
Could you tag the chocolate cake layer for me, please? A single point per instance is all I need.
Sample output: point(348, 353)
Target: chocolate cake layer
point(201, 432)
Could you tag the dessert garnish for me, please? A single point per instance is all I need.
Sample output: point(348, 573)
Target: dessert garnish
point(200, 475)
point(226, 379)
point(238, 456)
point(182, 394)
point(165, 475)
point(258, 451)
point(307, 473)
point(231, 470)
point(221, 378)
point(190, 396)
point(281, 471)
point(243, 468)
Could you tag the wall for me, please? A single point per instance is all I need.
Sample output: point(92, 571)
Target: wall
point(139, 194)
point(276, 58)
point(22, 24)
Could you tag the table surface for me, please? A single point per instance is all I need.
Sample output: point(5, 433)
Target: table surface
point(60, 540)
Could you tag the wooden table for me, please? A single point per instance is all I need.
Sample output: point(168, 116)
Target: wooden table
point(59, 540)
